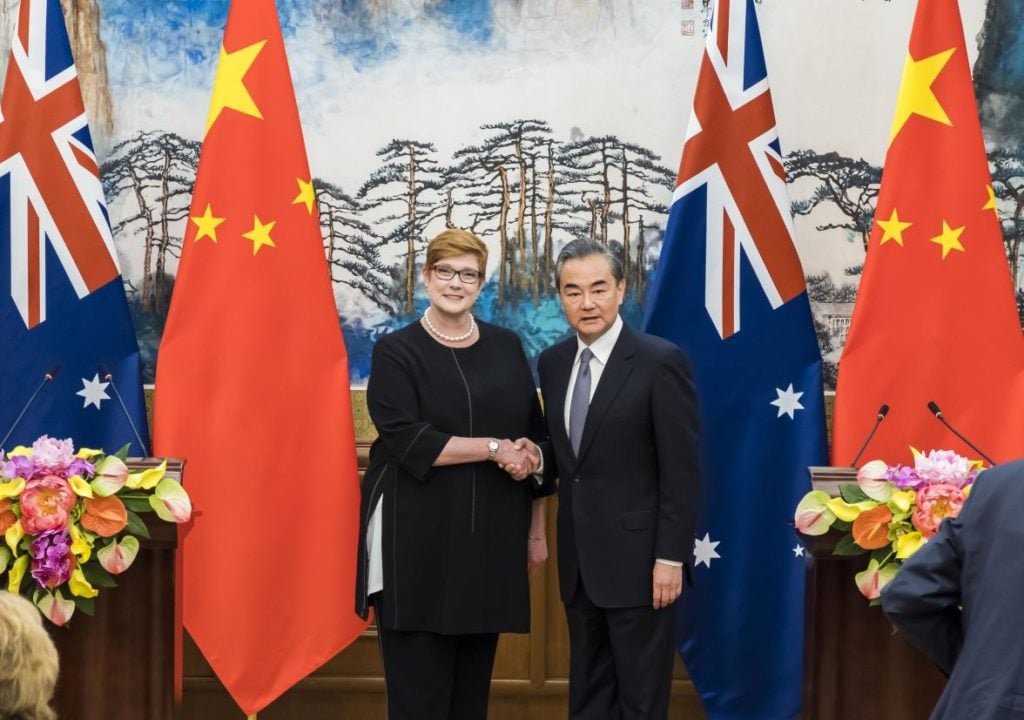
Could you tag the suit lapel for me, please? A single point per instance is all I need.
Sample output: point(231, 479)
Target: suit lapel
point(554, 402)
point(620, 365)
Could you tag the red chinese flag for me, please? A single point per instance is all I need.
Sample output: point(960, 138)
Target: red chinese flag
point(252, 389)
point(935, 318)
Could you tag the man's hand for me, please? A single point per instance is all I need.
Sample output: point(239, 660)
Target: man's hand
point(668, 584)
point(516, 459)
point(520, 459)
point(536, 552)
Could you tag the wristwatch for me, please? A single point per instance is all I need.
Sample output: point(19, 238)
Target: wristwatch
point(492, 449)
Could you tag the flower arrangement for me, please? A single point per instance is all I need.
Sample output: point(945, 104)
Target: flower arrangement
point(70, 521)
point(890, 512)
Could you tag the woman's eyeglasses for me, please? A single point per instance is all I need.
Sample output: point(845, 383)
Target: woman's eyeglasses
point(445, 272)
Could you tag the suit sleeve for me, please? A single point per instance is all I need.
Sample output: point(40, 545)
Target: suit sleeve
point(539, 435)
point(394, 406)
point(550, 462)
point(923, 600)
point(676, 436)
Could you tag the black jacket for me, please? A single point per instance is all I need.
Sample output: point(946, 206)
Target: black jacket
point(632, 494)
point(454, 537)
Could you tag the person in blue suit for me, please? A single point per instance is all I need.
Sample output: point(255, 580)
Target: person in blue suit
point(958, 600)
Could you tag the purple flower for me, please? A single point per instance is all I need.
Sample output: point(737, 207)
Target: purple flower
point(51, 454)
point(903, 477)
point(81, 467)
point(18, 466)
point(51, 558)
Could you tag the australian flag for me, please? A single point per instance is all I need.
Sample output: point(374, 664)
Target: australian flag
point(729, 290)
point(69, 361)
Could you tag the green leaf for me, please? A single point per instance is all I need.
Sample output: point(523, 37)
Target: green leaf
point(136, 504)
point(842, 525)
point(97, 576)
point(852, 493)
point(136, 526)
point(86, 605)
point(122, 454)
point(846, 546)
point(876, 601)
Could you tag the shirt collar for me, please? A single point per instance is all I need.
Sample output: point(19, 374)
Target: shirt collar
point(602, 347)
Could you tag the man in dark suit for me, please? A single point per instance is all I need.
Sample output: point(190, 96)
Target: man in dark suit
point(958, 600)
point(622, 422)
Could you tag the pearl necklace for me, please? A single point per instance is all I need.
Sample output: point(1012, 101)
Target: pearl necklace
point(449, 338)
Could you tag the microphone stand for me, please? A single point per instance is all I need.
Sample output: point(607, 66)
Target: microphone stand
point(47, 377)
point(941, 418)
point(108, 377)
point(882, 412)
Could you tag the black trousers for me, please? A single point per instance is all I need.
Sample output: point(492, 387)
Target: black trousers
point(620, 660)
point(429, 676)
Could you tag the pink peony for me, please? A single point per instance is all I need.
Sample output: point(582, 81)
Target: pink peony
point(51, 455)
point(934, 503)
point(45, 504)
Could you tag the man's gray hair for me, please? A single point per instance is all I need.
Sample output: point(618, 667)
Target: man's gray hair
point(585, 247)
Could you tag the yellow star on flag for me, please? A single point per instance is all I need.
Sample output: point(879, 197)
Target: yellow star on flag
point(306, 195)
point(893, 229)
point(916, 96)
point(260, 234)
point(229, 90)
point(949, 239)
point(991, 204)
point(206, 225)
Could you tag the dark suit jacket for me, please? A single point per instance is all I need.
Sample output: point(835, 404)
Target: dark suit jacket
point(975, 561)
point(631, 495)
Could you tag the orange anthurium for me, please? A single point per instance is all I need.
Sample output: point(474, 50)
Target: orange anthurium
point(105, 516)
point(871, 528)
point(7, 516)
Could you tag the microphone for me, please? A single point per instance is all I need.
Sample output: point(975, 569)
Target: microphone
point(47, 377)
point(108, 377)
point(941, 418)
point(882, 412)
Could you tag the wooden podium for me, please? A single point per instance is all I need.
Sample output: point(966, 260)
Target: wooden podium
point(119, 663)
point(855, 666)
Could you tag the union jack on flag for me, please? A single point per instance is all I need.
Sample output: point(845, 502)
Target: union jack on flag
point(729, 255)
point(732, 150)
point(62, 305)
point(45, 148)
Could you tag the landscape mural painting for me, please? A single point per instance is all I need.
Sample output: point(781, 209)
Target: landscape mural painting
point(530, 122)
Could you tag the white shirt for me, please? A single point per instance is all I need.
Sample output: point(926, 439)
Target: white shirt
point(375, 547)
point(602, 349)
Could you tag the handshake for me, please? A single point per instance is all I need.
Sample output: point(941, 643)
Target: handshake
point(519, 458)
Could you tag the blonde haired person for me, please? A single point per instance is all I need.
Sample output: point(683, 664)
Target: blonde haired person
point(453, 517)
point(28, 662)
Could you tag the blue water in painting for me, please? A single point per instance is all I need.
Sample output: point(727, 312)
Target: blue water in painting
point(364, 36)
